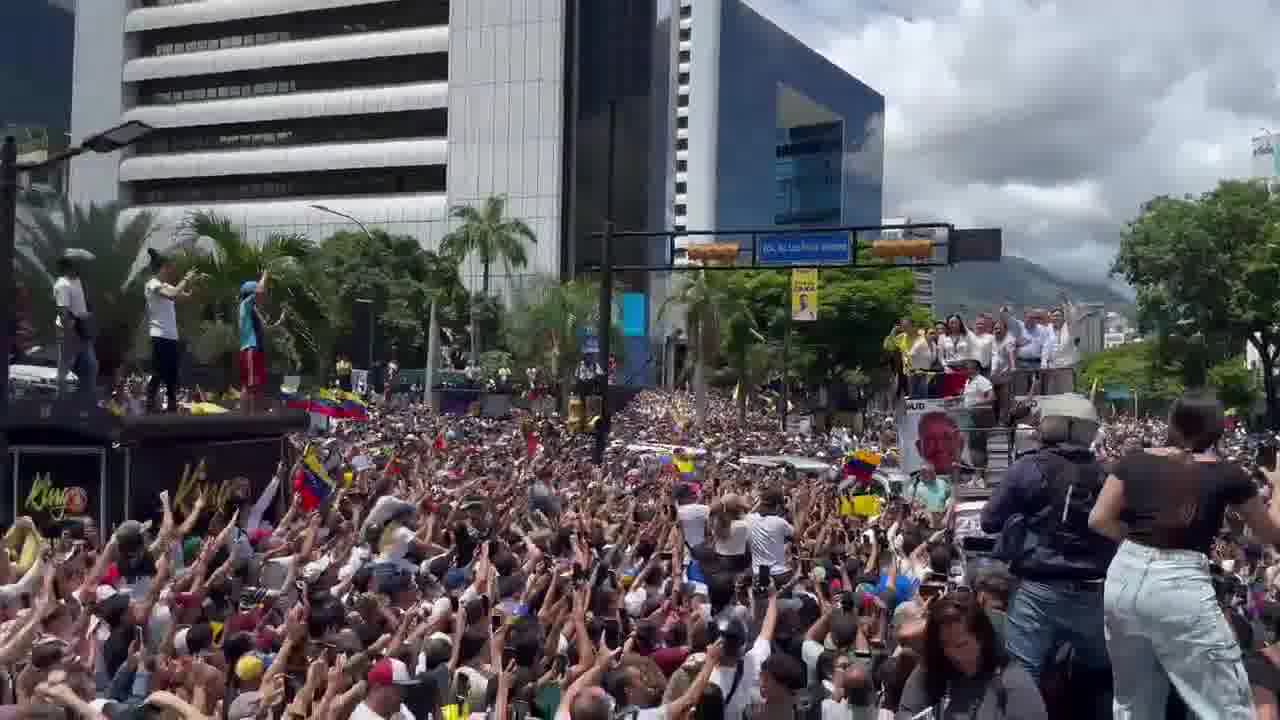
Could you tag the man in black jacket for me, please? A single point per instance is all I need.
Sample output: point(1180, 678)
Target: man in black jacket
point(1041, 511)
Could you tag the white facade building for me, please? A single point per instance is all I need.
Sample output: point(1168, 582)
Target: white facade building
point(391, 111)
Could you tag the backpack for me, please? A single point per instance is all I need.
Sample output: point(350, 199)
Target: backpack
point(1029, 543)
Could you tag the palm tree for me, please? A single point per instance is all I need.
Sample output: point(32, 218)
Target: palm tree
point(293, 294)
point(488, 234)
point(112, 281)
point(548, 322)
point(709, 305)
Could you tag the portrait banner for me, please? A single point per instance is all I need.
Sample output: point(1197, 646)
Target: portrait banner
point(804, 294)
point(930, 431)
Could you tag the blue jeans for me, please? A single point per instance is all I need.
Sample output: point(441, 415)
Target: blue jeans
point(1045, 615)
point(1164, 625)
point(77, 355)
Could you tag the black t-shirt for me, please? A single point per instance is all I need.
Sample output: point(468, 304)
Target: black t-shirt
point(1262, 673)
point(1175, 504)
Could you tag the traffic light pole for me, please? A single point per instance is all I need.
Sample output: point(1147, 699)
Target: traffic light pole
point(606, 291)
point(961, 245)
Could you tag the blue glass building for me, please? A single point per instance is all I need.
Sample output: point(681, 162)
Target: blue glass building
point(725, 122)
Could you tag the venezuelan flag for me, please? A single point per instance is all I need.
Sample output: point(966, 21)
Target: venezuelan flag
point(861, 465)
point(352, 407)
point(326, 403)
point(312, 482)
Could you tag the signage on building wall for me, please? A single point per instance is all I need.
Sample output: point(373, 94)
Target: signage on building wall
point(227, 474)
point(58, 485)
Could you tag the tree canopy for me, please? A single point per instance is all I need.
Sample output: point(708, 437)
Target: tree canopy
point(1208, 266)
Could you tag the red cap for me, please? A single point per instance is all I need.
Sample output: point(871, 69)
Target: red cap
point(112, 575)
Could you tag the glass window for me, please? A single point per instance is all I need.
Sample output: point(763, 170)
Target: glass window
point(684, 56)
point(682, 122)
point(325, 76)
point(682, 143)
point(300, 131)
point(294, 26)
point(683, 78)
point(347, 182)
point(686, 34)
point(682, 101)
point(682, 188)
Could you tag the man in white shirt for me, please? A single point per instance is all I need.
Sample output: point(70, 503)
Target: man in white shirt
point(1031, 336)
point(769, 535)
point(979, 399)
point(75, 332)
point(1063, 354)
point(387, 680)
point(738, 676)
point(692, 516)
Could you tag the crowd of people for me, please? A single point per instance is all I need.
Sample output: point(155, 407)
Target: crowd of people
point(475, 567)
point(484, 567)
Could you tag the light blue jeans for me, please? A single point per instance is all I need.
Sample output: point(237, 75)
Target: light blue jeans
point(1164, 626)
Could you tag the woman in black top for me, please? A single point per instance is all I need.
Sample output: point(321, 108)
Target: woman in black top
point(1162, 617)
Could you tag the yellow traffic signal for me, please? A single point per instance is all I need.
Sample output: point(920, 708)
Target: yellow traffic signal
point(890, 249)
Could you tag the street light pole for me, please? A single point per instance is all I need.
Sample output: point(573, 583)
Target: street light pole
point(8, 222)
point(107, 141)
point(606, 290)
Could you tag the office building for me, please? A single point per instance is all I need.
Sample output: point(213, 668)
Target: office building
point(394, 111)
point(389, 111)
point(36, 39)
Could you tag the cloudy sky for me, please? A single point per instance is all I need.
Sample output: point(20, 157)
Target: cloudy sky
point(1053, 120)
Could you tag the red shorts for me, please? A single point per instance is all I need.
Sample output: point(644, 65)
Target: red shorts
point(253, 368)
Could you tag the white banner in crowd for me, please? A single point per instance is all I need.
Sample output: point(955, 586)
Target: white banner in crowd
point(360, 381)
point(931, 428)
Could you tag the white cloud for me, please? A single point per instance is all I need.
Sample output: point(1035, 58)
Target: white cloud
point(1053, 120)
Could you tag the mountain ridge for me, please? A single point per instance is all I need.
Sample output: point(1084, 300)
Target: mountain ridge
point(1019, 283)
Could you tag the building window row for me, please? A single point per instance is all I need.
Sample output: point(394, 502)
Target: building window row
point(381, 181)
point(303, 78)
point(682, 188)
point(294, 26)
point(682, 166)
point(685, 56)
point(300, 131)
point(686, 34)
point(682, 122)
point(683, 78)
point(682, 143)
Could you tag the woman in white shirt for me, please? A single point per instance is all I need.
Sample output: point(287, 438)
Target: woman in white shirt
point(1003, 365)
point(954, 347)
point(162, 323)
point(731, 530)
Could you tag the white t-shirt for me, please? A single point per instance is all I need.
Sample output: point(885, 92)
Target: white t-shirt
point(923, 355)
point(769, 535)
point(68, 293)
point(693, 523)
point(395, 544)
point(162, 316)
point(736, 543)
point(748, 691)
point(981, 346)
point(974, 390)
point(1000, 352)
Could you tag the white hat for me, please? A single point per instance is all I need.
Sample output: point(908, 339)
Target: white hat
point(1070, 405)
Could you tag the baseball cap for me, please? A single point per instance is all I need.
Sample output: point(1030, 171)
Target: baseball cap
point(389, 671)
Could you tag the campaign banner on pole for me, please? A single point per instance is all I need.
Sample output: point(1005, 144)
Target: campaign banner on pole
point(804, 294)
point(228, 473)
point(930, 431)
point(56, 484)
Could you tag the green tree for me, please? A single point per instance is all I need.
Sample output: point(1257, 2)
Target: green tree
point(112, 282)
point(857, 309)
point(1209, 264)
point(1235, 384)
point(398, 275)
point(488, 234)
point(548, 322)
point(295, 309)
point(710, 304)
point(1133, 366)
